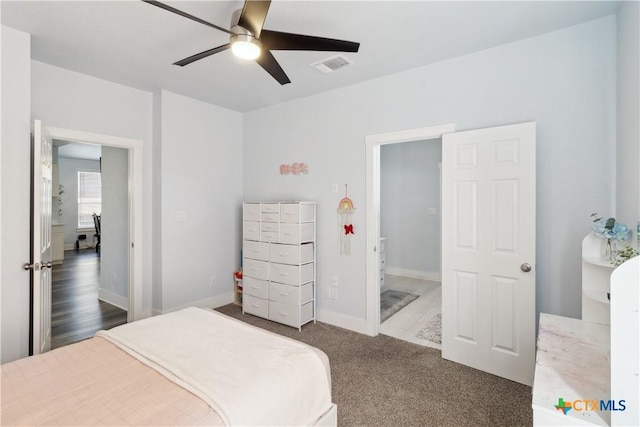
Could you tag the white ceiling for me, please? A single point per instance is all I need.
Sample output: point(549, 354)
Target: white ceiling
point(78, 150)
point(135, 44)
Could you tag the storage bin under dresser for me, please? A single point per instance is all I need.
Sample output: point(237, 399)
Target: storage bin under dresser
point(279, 257)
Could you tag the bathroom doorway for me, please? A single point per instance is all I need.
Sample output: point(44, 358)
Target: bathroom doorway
point(410, 247)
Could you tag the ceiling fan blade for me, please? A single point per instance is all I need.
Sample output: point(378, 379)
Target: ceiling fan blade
point(253, 15)
point(271, 66)
point(276, 40)
point(185, 14)
point(197, 56)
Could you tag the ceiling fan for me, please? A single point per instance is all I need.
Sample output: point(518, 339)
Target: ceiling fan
point(249, 40)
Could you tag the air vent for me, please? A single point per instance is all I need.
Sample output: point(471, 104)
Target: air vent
point(332, 64)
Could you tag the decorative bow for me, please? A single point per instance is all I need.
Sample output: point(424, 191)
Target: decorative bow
point(348, 229)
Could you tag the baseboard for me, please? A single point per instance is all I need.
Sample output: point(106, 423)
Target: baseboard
point(342, 321)
point(415, 274)
point(113, 299)
point(212, 302)
point(330, 317)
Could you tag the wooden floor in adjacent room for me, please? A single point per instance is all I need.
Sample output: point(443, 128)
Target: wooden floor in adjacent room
point(76, 312)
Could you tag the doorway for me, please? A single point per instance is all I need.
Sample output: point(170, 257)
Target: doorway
point(135, 196)
point(488, 244)
point(410, 247)
point(90, 284)
point(373, 147)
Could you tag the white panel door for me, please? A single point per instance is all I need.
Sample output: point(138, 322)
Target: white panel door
point(41, 242)
point(488, 250)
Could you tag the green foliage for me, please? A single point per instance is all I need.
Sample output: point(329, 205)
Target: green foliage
point(624, 254)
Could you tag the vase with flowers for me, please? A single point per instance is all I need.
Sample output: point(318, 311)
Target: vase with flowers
point(611, 232)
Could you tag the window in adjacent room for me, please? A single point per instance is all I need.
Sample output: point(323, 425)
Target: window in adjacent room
point(89, 197)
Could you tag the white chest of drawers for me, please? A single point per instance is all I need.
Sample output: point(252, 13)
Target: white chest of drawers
point(279, 257)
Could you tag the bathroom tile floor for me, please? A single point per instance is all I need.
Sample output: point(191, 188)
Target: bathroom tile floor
point(406, 323)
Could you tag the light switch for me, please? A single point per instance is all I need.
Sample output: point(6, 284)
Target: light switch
point(182, 216)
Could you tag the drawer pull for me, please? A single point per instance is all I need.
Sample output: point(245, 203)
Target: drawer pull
point(284, 274)
point(255, 305)
point(288, 233)
point(255, 287)
point(255, 251)
point(283, 254)
point(283, 314)
point(284, 294)
point(255, 269)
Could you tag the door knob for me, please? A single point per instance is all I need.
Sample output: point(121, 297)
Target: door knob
point(525, 267)
point(34, 266)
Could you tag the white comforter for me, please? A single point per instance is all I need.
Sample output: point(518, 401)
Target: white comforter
point(247, 375)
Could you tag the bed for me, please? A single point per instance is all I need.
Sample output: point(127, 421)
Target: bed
point(190, 367)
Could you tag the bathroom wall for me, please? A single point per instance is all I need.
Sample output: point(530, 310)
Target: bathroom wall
point(410, 207)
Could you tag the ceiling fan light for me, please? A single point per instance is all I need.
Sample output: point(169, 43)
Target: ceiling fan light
point(245, 46)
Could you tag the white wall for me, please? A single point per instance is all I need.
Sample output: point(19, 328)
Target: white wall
point(16, 128)
point(628, 125)
point(70, 100)
point(409, 187)
point(201, 148)
point(114, 227)
point(68, 172)
point(157, 203)
point(564, 81)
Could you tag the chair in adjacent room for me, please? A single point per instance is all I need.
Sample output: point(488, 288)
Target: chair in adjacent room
point(96, 223)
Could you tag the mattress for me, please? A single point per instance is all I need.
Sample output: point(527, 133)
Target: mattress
point(95, 382)
point(92, 383)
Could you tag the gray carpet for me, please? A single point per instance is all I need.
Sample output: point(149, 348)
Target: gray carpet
point(392, 301)
point(382, 381)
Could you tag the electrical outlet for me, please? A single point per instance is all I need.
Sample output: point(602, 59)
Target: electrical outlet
point(334, 281)
point(212, 282)
point(334, 293)
point(334, 188)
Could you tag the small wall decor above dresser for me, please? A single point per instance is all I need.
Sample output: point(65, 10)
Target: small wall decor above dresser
point(279, 256)
point(294, 169)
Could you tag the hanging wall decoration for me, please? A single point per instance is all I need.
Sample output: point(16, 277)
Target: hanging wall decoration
point(345, 227)
point(294, 168)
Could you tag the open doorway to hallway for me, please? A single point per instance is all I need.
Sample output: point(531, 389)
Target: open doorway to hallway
point(90, 277)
